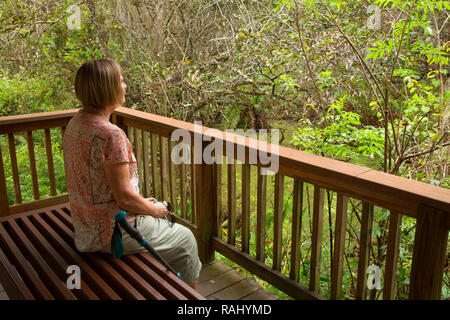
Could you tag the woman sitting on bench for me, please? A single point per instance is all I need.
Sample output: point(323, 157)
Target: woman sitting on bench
point(102, 177)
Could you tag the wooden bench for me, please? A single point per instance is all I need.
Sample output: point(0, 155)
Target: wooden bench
point(37, 247)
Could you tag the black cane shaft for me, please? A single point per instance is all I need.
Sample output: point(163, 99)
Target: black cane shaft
point(135, 234)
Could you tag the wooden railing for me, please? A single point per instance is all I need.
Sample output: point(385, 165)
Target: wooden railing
point(198, 191)
point(14, 126)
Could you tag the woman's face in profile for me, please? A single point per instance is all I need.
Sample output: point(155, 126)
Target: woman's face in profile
point(122, 92)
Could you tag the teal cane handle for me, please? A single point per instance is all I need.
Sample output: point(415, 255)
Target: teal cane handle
point(120, 216)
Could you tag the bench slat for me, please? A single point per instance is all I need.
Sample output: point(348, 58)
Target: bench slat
point(102, 289)
point(58, 289)
point(65, 218)
point(160, 283)
point(11, 280)
point(26, 271)
point(55, 260)
point(59, 227)
point(113, 277)
point(133, 276)
point(116, 281)
point(182, 286)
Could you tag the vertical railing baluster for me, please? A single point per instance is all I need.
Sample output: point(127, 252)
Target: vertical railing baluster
point(145, 161)
point(138, 155)
point(231, 176)
point(395, 221)
point(297, 211)
point(278, 221)
point(129, 132)
point(339, 244)
point(137, 151)
point(15, 170)
point(4, 202)
point(163, 167)
point(51, 169)
point(63, 131)
point(193, 186)
point(33, 165)
point(261, 216)
point(172, 175)
point(183, 204)
point(365, 239)
point(245, 207)
point(155, 184)
point(316, 239)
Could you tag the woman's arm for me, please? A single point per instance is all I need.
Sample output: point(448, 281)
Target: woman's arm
point(118, 177)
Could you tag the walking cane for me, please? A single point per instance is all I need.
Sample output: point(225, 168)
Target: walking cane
point(116, 243)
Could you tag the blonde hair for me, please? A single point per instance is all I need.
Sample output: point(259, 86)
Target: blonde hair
point(97, 83)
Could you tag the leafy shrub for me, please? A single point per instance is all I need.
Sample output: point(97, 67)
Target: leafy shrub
point(21, 94)
point(341, 135)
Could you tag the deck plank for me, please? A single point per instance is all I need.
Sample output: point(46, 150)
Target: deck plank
point(212, 270)
point(219, 281)
point(236, 291)
point(261, 294)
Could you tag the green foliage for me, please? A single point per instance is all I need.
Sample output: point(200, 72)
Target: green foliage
point(340, 135)
point(23, 94)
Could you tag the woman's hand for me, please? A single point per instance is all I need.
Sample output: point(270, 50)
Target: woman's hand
point(160, 210)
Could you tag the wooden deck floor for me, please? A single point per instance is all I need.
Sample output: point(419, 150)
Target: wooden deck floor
point(218, 281)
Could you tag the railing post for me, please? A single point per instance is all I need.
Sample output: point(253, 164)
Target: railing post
point(430, 245)
point(206, 207)
point(4, 203)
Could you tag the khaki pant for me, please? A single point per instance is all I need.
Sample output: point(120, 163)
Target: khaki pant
point(176, 244)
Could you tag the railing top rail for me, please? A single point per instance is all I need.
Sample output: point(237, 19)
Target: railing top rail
point(392, 192)
point(40, 116)
point(34, 121)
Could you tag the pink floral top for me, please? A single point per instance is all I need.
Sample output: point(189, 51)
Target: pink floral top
point(90, 142)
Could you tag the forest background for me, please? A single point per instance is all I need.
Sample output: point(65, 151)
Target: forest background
point(359, 81)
